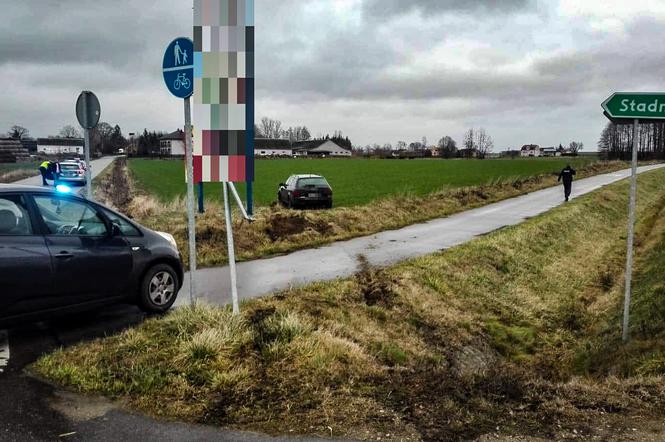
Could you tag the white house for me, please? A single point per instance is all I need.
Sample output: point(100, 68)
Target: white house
point(321, 148)
point(530, 150)
point(58, 146)
point(268, 147)
point(550, 152)
point(173, 144)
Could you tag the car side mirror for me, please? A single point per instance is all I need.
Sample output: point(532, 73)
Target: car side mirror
point(115, 230)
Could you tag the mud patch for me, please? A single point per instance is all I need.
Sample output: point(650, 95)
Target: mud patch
point(80, 408)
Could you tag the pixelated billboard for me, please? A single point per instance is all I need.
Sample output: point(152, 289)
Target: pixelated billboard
point(223, 106)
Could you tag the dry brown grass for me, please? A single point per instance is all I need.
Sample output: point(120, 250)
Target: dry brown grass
point(445, 347)
point(16, 175)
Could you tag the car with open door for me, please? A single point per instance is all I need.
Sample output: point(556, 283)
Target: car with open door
point(61, 253)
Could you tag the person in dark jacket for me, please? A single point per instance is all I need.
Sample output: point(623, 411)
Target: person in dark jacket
point(50, 170)
point(567, 175)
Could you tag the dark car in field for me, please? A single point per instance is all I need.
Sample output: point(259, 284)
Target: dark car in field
point(301, 191)
point(60, 253)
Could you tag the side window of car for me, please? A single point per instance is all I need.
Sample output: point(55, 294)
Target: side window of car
point(68, 217)
point(126, 228)
point(14, 218)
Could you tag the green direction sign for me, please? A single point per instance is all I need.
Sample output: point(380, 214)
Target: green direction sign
point(642, 105)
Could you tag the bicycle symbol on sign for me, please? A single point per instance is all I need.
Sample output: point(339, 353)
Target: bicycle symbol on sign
point(182, 81)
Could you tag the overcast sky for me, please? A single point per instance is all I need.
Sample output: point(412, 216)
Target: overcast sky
point(379, 70)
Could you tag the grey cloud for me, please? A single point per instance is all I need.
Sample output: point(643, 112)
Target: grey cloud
point(388, 8)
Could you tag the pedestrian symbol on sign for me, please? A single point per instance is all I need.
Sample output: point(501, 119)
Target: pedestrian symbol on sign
point(178, 68)
point(178, 51)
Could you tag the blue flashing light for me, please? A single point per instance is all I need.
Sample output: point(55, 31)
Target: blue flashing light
point(63, 189)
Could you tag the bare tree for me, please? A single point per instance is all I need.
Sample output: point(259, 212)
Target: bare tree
point(469, 142)
point(271, 128)
point(18, 132)
point(448, 147)
point(401, 145)
point(70, 131)
point(575, 147)
point(101, 136)
point(484, 143)
point(257, 132)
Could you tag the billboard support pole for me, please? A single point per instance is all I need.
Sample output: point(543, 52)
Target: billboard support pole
point(631, 235)
point(250, 198)
point(231, 247)
point(191, 217)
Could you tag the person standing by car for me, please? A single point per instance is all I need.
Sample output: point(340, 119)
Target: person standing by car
point(54, 168)
point(43, 169)
point(567, 175)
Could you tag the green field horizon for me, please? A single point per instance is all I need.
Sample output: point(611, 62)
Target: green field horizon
point(354, 181)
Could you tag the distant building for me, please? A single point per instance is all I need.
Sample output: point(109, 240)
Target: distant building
point(11, 151)
point(30, 144)
point(59, 146)
point(269, 147)
point(320, 148)
point(436, 151)
point(173, 144)
point(550, 152)
point(530, 150)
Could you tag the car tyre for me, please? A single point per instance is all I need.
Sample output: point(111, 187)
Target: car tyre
point(159, 289)
point(329, 205)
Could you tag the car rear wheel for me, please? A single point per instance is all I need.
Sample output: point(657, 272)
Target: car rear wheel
point(159, 289)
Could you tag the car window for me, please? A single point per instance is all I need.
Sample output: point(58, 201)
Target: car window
point(125, 227)
point(69, 166)
point(68, 217)
point(308, 182)
point(14, 218)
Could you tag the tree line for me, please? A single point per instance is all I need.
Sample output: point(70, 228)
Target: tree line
point(477, 143)
point(616, 141)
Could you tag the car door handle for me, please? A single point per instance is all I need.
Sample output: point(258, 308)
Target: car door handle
point(64, 255)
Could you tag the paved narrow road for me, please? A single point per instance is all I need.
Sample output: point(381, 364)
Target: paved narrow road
point(98, 167)
point(258, 278)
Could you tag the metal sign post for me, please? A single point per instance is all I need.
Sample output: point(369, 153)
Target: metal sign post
point(631, 235)
point(231, 248)
point(632, 108)
point(178, 70)
point(88, 112)
point(191, 217)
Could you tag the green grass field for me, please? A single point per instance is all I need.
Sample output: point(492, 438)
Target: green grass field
point(354, 181)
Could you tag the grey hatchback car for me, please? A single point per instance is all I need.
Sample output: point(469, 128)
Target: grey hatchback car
point(61, 253)
point(305, 191)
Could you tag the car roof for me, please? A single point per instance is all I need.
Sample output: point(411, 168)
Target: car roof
point(13, 188)
point(308, 176)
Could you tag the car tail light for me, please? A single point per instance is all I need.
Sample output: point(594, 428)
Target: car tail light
point(297, 193)
point(327, 192)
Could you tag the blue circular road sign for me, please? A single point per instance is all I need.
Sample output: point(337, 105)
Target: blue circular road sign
point(178, 67)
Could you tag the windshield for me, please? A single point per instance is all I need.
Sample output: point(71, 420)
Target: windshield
point(312, 182)
point(69, 166)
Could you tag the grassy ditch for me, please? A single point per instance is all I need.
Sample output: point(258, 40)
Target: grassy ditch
point(446, 347)
point(279, 230)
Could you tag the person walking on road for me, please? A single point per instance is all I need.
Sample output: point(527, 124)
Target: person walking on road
point(567, 175)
